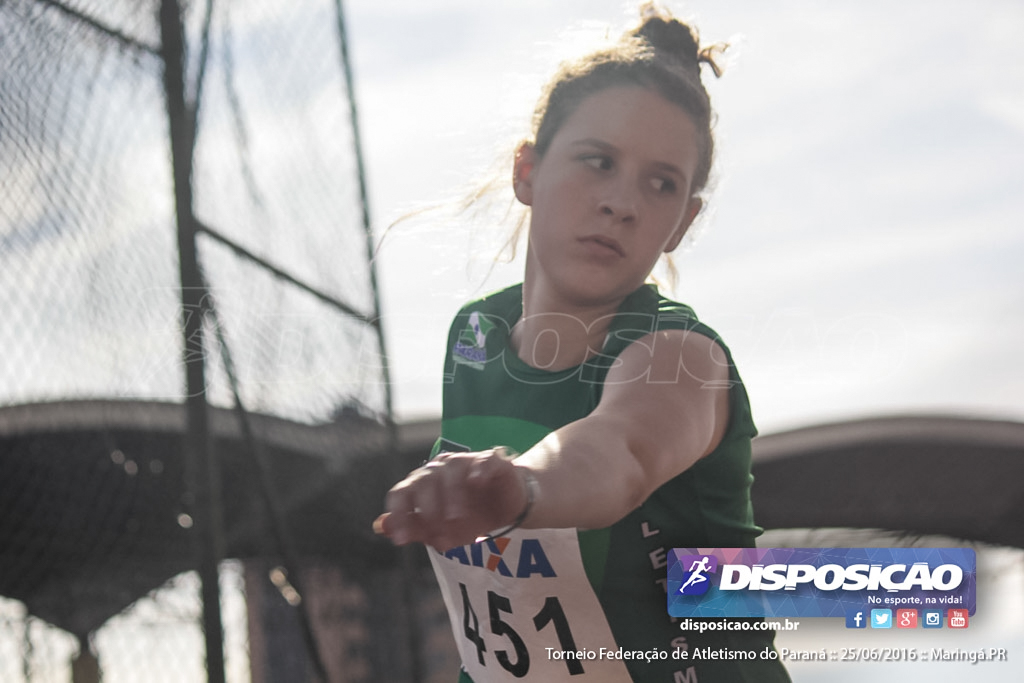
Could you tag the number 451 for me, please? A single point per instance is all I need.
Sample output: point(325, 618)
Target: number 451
point(551, 612)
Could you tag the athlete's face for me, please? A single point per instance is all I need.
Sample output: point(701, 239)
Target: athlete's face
point(610, 195)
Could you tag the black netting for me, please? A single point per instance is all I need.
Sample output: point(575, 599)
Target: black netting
point(87, 258)
point(98, 509)
point(274, 165)
point(304, 360)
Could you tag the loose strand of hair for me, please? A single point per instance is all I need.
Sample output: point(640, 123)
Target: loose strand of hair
point(710, 55)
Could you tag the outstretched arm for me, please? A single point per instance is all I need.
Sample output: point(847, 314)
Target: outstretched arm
point(664, 406)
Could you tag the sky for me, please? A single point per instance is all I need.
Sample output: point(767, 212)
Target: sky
point(860, 250)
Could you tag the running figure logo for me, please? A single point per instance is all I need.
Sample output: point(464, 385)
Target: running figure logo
point(698, 567)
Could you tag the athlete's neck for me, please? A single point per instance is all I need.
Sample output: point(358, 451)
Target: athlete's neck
point(554, 334)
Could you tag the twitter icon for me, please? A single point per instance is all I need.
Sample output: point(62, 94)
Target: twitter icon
point(881, 618)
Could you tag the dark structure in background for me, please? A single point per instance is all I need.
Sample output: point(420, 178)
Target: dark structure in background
point(924, 475)
point(84, 480)
point(90, 499)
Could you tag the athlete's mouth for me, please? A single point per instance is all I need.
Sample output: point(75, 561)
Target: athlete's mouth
point(607, 242)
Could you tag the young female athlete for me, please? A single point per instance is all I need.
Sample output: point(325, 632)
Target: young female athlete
point(632, 426)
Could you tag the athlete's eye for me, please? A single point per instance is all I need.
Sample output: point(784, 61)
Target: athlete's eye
point(665, 185)
point(601, 162)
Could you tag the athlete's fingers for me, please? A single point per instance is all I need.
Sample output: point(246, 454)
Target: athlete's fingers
point(452, 484)
point(430, 490)
point(380, 524)
point(395, 521)
point(464, 510)
point(488, 468)
point(455, 477)
point(428, 501)
point(453, 499)
point(441, 483)
point(402, 525)
point(385, 525)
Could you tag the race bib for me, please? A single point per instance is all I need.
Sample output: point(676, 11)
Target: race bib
point(521, 604)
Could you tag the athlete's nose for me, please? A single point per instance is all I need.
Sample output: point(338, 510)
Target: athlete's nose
point(619, 199)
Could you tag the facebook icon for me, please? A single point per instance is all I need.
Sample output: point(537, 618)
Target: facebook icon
point(856, 618)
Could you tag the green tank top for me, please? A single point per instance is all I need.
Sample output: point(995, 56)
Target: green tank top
point(518, 603)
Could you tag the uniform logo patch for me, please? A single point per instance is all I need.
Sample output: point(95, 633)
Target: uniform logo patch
point(471, 346)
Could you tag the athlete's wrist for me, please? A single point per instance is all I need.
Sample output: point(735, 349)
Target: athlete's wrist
point(531, 492)
point(531, 487)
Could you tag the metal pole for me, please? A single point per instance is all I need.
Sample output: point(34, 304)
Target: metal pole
point(407, 561)
point(278, 518)
point(377, 321)
point(203, 489)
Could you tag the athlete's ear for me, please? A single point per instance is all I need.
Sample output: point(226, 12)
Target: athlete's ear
point(692, 209)
point(522, 173)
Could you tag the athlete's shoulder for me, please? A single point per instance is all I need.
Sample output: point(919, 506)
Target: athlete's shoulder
point(664, 313)
point(647, 310)
point(675, 313)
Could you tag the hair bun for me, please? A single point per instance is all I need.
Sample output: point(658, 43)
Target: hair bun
point(669, 36)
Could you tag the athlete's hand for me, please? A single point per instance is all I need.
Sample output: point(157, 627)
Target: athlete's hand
point(454, 499)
